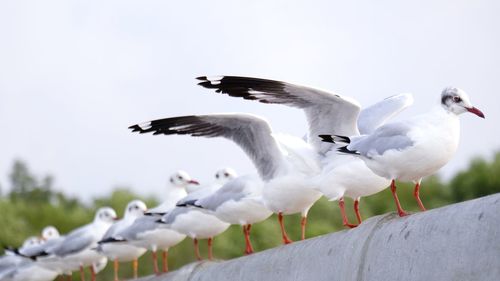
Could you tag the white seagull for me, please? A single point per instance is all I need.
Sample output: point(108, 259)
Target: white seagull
point(197, 223)
point(415, 148)
point(78, 247)
point(120, 252)
point(284, 163)
point(341, 175)
point(15, 266)
point(146, 233)
point(239, 201)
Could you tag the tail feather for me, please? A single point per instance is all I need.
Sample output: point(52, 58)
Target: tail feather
point(346, 150)
point(189, 203)
point(111, 240)
point(335, 139)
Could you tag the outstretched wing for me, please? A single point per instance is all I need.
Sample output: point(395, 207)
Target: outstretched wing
point(251, 133)
point(327, 113)
point(378, 114)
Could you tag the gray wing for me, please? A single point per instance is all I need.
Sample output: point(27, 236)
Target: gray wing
point(43, 248)
point(195, 195)
point(140, 225)
point(326, 113)
point(378, 114)
point(172, 215)
point(392, 136)
point(251, 133)
point(76, 241)
point(233, 190)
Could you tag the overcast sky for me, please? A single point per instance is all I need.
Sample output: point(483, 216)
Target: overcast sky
point(75, 74)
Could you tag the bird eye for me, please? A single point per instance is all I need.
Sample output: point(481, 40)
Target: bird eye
point(457, 99)
point(226, 174)
point(216, 176)
point(179, 177)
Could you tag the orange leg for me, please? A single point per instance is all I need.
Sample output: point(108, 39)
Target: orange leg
point(165, 261)
point(115, 267)
point(356, 210)
point(210, 253)
point(286, 240)
point(135, 267)
point(246, 231)
point(197, 249)
point(345, 220)
point(416, 193)
point(92, 273)
point(303, 223)
point(155, 263)
point(401, 212)
point(82, 274)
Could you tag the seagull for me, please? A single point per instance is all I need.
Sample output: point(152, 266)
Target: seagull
point(410, 150)
point(123, 252)
point(19, 263)
point(146, 233)
point(238, 202)
point(284, 163)
point(341, 175)
point(222, 176)
point(35, 245)
point(196, 223)
point(77, 248)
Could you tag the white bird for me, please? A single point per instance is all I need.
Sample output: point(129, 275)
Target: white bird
point(120, 252)
point(146, 233)
point(197, 223)
point(341, 175)
point(415, 148)
point(13, 264)
point(18, 263)
point(77, 248)
point(284, 163)
point(239, 201)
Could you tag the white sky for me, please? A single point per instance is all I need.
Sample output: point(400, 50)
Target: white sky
point(75, 74)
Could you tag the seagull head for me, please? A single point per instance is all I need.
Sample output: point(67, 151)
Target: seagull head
point(224, 175)
point(50, 232)
point(135, 208)
point(106, 215)
point(455, 100)
point(182, 179)
point(31, 241)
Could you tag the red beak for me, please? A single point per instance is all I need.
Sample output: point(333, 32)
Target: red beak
point(476, 111)
point(194, 182)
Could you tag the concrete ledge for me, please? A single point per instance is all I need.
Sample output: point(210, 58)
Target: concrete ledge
point(456, 242)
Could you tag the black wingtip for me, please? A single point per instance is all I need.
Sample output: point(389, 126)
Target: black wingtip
point(327, 138)
point(111, 240)
point(160, 221)
point(149, 214)
point(201, 78)
point(189, 203)
point(345, 150)
point(135, 128)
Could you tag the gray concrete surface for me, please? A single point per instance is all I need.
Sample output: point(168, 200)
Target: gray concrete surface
point(456, 242)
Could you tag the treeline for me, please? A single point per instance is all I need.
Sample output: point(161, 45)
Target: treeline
point(32, 203)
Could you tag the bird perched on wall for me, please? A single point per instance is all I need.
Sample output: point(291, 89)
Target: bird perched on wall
point(120, 252)
point(341, 175)
point(415, 148)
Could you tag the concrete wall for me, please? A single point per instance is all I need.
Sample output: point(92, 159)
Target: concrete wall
point(456, 242)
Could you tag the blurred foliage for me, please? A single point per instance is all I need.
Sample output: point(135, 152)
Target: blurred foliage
point(31, 203)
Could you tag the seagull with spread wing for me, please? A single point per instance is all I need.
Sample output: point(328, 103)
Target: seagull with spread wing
point(326, 113)
point(284, 163)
